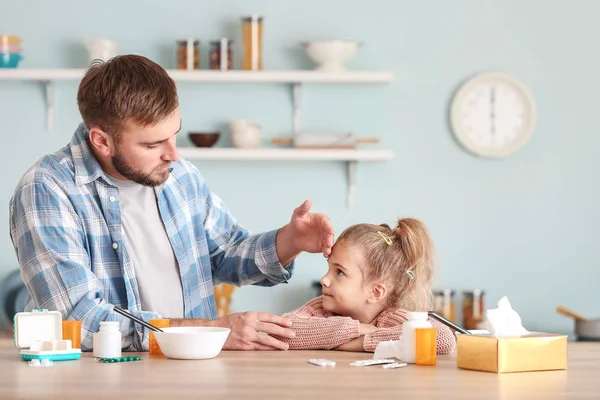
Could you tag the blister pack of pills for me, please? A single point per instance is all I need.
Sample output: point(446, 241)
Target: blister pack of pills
point(372, 361)
point(118, 359)
point(394, 365)
point(321, 362)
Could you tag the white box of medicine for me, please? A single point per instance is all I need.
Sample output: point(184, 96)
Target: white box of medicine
point(39, 336)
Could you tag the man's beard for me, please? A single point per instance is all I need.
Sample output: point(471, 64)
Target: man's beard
point(125, 169)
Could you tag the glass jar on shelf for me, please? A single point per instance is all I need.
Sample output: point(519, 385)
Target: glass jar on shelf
point(252, 41)
point(316, 289)
point(221, 54)
point(188, 54)
point(443, 304)
point(473, 309)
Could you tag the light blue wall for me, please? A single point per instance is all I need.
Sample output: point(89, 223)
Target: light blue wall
point(524, 227)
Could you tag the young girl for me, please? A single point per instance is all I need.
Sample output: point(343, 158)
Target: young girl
point(376, 274)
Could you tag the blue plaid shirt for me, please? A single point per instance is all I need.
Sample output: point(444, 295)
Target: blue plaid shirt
point(65, 225)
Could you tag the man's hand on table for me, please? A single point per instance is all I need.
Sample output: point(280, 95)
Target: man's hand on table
point(246, 331)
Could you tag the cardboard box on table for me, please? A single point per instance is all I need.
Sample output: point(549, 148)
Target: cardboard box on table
point(534, 351)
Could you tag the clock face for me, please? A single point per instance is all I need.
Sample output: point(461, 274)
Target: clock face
point(493, 115)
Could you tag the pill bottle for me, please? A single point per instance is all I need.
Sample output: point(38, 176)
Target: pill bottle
point(107, 341)
point(425, 346)
point(71, 330)
point(154, 348)
point(408, 341)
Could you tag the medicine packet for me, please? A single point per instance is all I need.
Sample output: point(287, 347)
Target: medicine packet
point(371, 361)
point(321, 362)
point(394, 365)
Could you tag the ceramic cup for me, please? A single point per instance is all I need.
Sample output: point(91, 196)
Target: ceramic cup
point(245, 134)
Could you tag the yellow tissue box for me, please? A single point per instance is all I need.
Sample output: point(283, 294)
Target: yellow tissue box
point(531, 352)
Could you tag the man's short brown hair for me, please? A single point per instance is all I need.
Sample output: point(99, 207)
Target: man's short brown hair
point(125, 89)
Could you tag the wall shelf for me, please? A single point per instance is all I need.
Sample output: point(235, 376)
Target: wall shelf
point(351, 157)
point(275, 154)
point(232, 76)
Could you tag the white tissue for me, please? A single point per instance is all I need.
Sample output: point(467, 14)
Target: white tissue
point(388, 349)
point(504, 321)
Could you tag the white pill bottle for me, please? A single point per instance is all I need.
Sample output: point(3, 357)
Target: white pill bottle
point(107, 341)
point(407, 341)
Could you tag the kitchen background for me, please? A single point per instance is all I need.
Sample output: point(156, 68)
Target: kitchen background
point(524, 226)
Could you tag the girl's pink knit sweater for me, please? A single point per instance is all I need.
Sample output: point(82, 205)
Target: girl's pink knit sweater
point(317, 328)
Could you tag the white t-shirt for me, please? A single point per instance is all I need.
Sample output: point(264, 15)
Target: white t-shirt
point(156, 268)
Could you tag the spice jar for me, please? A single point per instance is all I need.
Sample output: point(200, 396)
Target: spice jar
point(472, 309)
point(252, 37)
point(188, 54)
point(443, 304)
point(221, 54)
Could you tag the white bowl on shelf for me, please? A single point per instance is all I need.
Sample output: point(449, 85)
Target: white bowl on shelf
point(331, 55)
point(192, 343)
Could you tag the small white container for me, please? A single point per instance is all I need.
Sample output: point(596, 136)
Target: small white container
point(39, 336)
point(245, 134)
point(107, 341)
point(101, 49)
point(408, 342)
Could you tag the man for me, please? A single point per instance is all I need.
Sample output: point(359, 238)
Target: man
point(116, 218)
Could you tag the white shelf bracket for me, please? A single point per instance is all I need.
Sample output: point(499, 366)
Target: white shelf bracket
point(352, 165)
point(49, 89)
point(297, 104)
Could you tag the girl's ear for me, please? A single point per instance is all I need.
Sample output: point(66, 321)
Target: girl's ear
point(378, 293)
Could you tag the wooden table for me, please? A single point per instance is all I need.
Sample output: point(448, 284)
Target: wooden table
point(287, 375)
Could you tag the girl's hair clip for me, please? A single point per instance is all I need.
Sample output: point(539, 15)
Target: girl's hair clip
point(410, 274)
point(385, 237)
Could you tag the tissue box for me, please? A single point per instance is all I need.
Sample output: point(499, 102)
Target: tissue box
point(531, 352)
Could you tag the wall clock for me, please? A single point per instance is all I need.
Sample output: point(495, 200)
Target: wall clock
point(493, 115)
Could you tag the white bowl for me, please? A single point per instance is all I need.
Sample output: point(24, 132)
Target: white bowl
point(192, 343)
point(331, 55)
